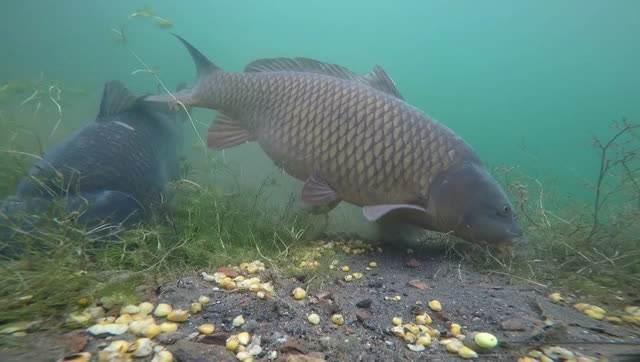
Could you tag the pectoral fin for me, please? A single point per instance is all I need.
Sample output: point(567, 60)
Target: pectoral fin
point(227, 132)
point(317, 192)
point(375, 212)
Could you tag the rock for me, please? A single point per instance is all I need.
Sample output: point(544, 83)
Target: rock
point(250, 326)
point(311, 357)
point(76, 341)
point(514, 324)
point(199, 352)
point(365, 303)
point(227, 271)
point(416, 283)
point(412, 263)
point(363, 314)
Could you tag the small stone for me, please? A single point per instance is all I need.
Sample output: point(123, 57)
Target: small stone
point(416, 283)
point(363, 314)
point(513, 324)
point(365, 303)
point(412, 263)
point(415, 347)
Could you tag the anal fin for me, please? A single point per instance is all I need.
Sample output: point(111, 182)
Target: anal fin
point(376, 212)
point(319, 194)
point(226, 132)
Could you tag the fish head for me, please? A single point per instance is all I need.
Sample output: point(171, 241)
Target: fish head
point(468, 202)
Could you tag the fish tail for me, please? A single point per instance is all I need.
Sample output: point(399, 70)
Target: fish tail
point(188, 96)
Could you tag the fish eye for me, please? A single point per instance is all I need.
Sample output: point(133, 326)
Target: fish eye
point(504, 211)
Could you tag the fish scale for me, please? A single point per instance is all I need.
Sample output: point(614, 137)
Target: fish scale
point(305, 137)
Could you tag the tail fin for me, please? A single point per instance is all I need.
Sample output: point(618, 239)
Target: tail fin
point(203, 65)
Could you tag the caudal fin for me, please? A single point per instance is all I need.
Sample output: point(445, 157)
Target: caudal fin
point(186, 96)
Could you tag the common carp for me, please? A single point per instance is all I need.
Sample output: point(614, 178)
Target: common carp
point(353, 138)
point(113, 170)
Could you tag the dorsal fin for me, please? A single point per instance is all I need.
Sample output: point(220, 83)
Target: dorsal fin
point(116, 98)
point(380, 80)
point(203, 65)
point(377, 79)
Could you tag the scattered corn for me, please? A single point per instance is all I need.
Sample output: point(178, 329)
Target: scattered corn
point(203, 299)
point(78, 357)
point(142, 347)
point(299, 293)
point(168, 327)
point(195, 308)
point(345, 269)
point(152, 331)
point(435, 305)
point(485, 340)
point(467, 353)
point(244, 338)
point(313, 318)
point(162, 310)
point(163, 356)
point(373, 264)
point(396, 321)
point(232, 343)
point(357, 275)
point(455, 329)
point(178, 315)
point(556, 297)
point(207, 329)
point(145, 308)
point(424, 340)
point(130, 309)
point(118, 346)
point(337, 319)
point(348, 278)
point(238, 321)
